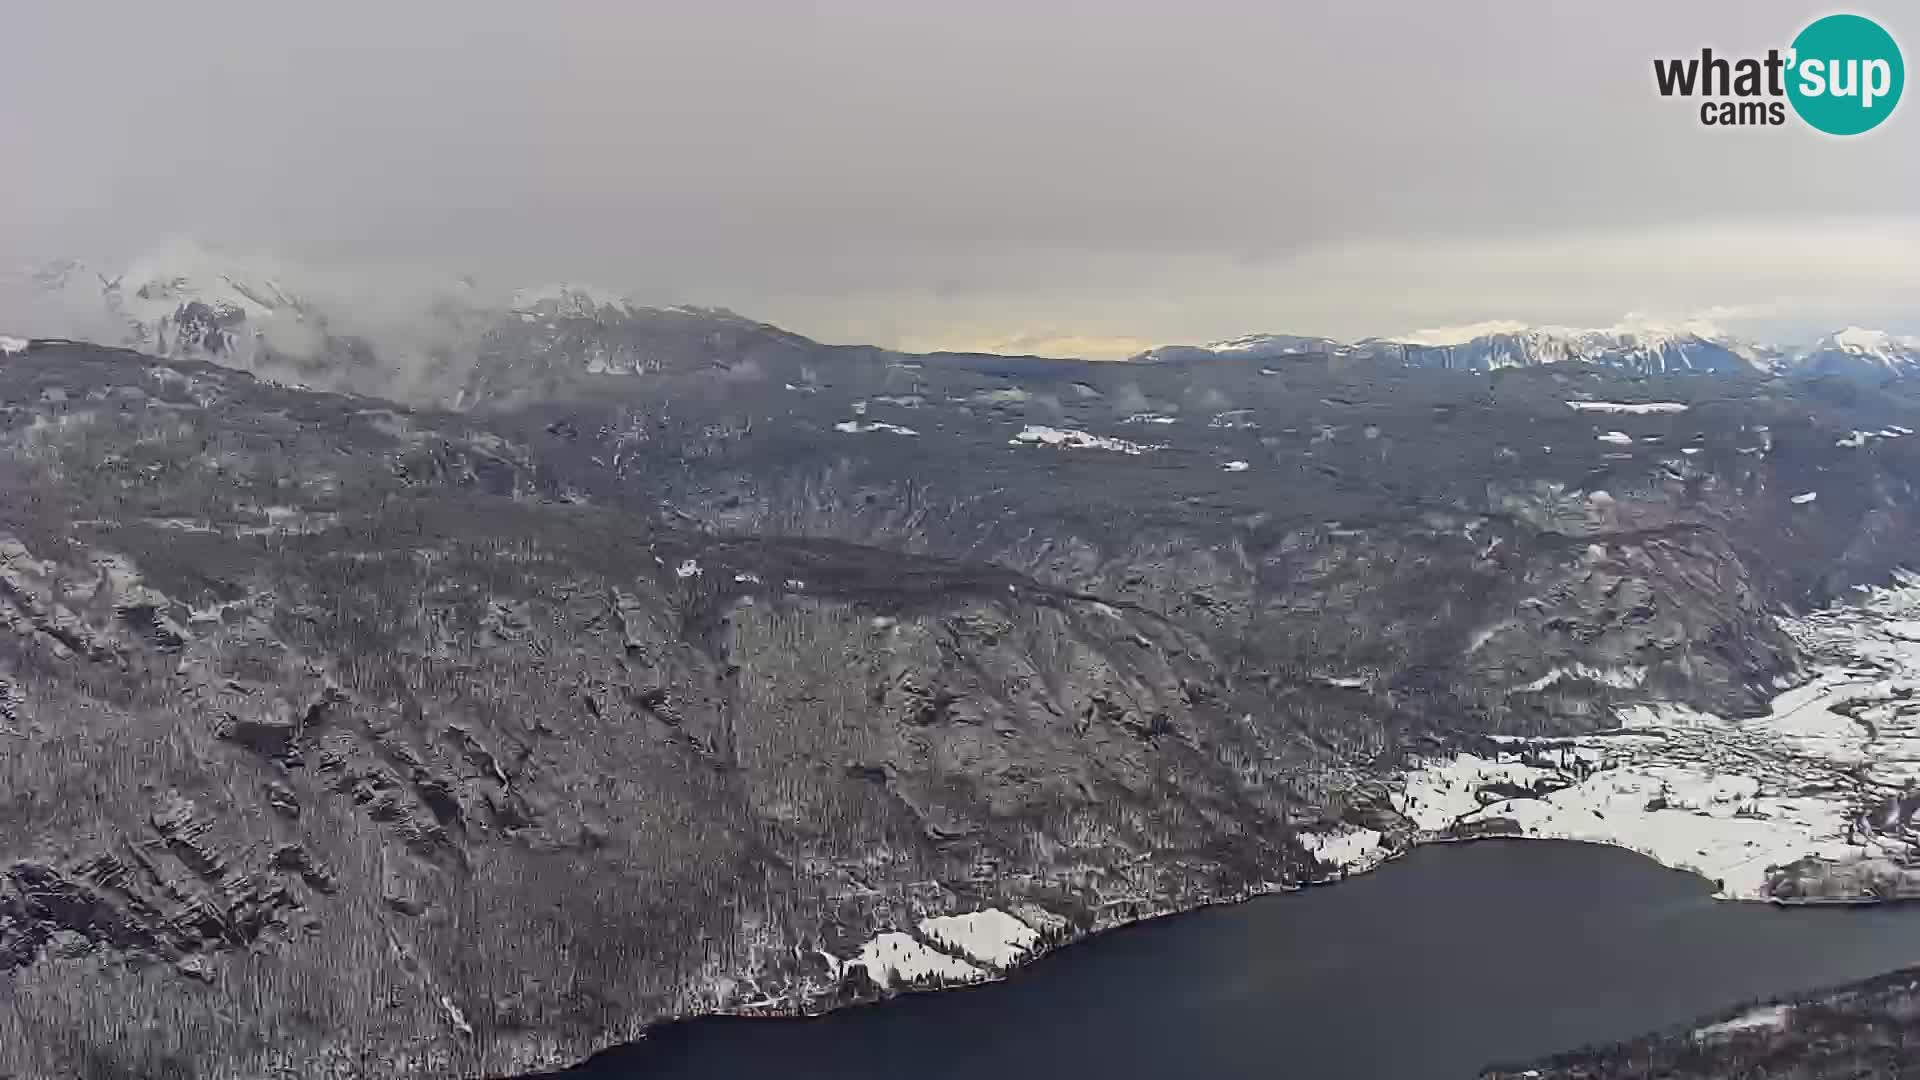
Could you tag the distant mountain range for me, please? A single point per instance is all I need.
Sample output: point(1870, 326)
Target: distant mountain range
point(457, 345)
point(1852, 352)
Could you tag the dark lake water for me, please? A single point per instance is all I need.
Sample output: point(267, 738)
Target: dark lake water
point(1433, 966)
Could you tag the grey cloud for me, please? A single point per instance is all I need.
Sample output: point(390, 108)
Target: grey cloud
point(895, 169)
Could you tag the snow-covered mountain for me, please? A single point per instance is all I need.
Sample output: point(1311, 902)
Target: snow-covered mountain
point(438, 342)
point(1648, 350)
point(1637, 347)
point(1860, 353)
point(448, 343)
point(185, 303)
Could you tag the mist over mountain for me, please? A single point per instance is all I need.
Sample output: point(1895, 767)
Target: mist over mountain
point(456, 343)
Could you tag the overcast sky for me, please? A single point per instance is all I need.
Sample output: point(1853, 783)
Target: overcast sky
point(1022, 174)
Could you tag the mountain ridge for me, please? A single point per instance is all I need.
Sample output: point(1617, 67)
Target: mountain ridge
point(1639, 348)
point(437, 344)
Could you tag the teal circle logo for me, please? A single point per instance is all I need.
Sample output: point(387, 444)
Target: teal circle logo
point(1845, 74)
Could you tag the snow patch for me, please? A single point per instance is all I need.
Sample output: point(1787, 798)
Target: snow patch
point(894, 958)
point(1236, 466)
point(1772, 1016)
point(861, 427)
point(1804, 498)
point(688, 569)
point(990, 936)
point(1616, 438)
point(12, 344)
point(1640, 408)
point(1624, 678)
point(1040, 435)
point(1349, 849)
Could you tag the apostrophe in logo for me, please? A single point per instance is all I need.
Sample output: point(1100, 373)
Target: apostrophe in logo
point(1846, 74)
point(1842, 75)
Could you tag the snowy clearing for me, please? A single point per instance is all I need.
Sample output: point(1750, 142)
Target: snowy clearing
point(893, 958)
point(1351, 849)
point(1617, 438)
point(990, 936)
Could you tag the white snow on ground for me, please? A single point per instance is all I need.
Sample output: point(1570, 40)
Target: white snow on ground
point(1641, 408)
point(857, 427)
point(12, 344)
point(1771, 1016)
point(1617, 438)
point(1729, 799)
point(1236, 466)
point(1040, 435)
point(1149, 418)
point(991, 936)
point(1351, 849)
point(893, 958)
point(1804, 498)
point(689, 568)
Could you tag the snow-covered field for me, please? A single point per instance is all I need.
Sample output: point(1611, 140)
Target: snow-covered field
point(946, 949)
point(991, 936)
point(893, 958)
point(1813, 801)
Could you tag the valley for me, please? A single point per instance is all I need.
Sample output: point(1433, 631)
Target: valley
point(654, 663)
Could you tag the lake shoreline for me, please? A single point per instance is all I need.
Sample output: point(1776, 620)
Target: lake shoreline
point(806, 1010)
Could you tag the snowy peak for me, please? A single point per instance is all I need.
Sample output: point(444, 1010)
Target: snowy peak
point(1855, 339)
point(1642, 348)
point(183, 303)
point(1861, 353)
point(437, 342)
point(570, 301)
point(196, 306)
point(1262, 346)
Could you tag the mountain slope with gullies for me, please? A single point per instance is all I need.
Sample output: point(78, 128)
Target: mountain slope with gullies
point(366, 740)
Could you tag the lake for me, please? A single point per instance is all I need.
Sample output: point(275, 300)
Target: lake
point(1433, 966)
